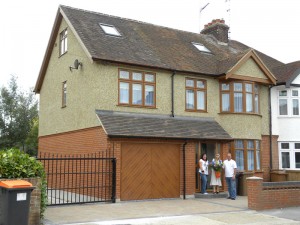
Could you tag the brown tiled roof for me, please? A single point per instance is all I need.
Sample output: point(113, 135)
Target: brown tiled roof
point(151, 45)
point(124, 124)
point(287, 73)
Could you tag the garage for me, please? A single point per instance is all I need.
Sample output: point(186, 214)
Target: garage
point(150, 171)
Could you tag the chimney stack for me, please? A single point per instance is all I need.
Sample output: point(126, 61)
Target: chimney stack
point(218, 29)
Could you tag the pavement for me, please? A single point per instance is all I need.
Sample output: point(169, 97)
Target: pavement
point(170, 212)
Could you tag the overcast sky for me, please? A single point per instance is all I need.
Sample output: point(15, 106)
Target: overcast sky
point(270, 26)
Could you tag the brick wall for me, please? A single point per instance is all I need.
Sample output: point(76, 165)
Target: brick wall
point(83, 141)
point(35, 201)
point(270, 195)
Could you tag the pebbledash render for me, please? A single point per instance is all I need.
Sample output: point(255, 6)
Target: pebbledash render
point(158, 97)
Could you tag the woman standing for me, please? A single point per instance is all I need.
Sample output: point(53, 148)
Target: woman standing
point(216, 166)
point(203, 169)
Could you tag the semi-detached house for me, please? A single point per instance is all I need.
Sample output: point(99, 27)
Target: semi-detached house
point(155, 96)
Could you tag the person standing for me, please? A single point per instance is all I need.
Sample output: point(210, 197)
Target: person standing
point(203, 169)
point(215, 180)
point(230, 171)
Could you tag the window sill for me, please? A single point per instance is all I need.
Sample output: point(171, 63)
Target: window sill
point(64, 106)
point(197, 111)
point(137, 106)
point(63, 54)
point(235, 113)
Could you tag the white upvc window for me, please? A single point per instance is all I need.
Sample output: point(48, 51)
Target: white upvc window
point(288, 103)
point(289, 155)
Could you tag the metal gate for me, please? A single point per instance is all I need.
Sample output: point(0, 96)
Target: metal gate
point(76, 179)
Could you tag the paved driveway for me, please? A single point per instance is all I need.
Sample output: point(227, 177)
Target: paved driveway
point(192, 211)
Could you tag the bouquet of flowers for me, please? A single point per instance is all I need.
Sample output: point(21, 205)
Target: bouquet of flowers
point(217, 166)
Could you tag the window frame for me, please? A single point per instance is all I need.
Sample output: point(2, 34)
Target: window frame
point(245, 153)
point(63, 42)
point(289, 99)
point(64, 94)
point(244, 92)
point(142, 82)
point(292, 150)
point(196, 89)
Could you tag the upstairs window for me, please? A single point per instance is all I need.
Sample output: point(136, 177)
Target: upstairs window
point(195, 95)
point(64, 94)
point(63, 43)
point(288, 102)
point(110, 29)
point(239, 97)
point(137, 88)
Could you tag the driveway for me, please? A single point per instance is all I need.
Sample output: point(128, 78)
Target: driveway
point(175, 211)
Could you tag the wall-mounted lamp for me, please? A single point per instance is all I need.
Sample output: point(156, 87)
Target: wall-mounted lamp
point(76, 65)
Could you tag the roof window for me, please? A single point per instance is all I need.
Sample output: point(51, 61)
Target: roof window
point(201, 47)
point(110, 29)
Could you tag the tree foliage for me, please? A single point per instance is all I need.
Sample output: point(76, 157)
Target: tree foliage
point(18, 110)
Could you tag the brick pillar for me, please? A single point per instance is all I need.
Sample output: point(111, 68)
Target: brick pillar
point(254, 188)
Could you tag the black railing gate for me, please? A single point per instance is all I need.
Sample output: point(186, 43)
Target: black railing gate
point(76, 179)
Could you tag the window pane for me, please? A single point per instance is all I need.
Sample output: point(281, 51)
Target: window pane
point(249, 103)
point(257, 145)
point(124, 92)
point(297, 160)
point(189, 83)
point(200, 84)
point(149, 78)
point(149, 95)
point(295, 107)
point(250, 160)
point(239, 154)
point(285, 146)
point(256, 88)
point(238, 102)
point(257, 159)
point(283, 107)
point(297, 145)
point(137, 94)
point(256, 103)
point(285, 159)
point(239, 144)
point(238, 87)
point(250, 144)
point(190, 99)
point(225, 102)
point(225, 87)
point(248, 87)
point(124, 74)
point(136, 76)
point(200, 100)
point(294, 93)
point(283, 93)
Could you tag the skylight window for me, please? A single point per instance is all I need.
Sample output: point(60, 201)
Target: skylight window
point(110, 29)
point(201, 47)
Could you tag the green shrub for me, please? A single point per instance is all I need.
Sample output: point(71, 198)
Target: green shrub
point(17, 164)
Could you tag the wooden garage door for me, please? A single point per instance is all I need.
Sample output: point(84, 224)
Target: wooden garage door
point(150, 171)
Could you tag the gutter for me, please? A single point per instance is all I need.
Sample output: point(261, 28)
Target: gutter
point(172, 94)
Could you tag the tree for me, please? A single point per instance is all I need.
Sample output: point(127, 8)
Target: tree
point(17, 111)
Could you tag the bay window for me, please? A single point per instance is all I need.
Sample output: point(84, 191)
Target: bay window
point(239, 97)
point(136, 88)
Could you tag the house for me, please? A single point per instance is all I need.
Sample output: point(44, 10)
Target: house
point(155, 96)
point(286, 118)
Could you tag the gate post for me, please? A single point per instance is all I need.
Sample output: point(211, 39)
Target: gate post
point(114, 177)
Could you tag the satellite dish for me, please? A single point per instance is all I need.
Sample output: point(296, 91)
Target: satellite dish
point(76, 65)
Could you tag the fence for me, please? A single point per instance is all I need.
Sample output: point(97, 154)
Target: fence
point(75, 179)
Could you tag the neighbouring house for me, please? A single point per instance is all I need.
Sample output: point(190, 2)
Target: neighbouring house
point(286, 119)
point(157, 97)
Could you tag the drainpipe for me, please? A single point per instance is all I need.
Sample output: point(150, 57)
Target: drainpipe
point(172, 93)
point(270, 126)
point(184, 178)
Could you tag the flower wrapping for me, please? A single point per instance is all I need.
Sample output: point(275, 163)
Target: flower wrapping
point(216, 165)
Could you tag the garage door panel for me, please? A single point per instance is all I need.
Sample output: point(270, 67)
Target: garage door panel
point(150, 171)
point(136, 164)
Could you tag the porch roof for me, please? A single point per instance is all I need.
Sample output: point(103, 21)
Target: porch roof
point(128, 125)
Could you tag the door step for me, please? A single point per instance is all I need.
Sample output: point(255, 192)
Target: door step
point(211, 195)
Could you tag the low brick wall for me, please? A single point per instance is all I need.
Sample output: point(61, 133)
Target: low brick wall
point(35, 200)
point(271, 195)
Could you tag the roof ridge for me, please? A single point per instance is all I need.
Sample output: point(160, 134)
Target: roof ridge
point(132, 20)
